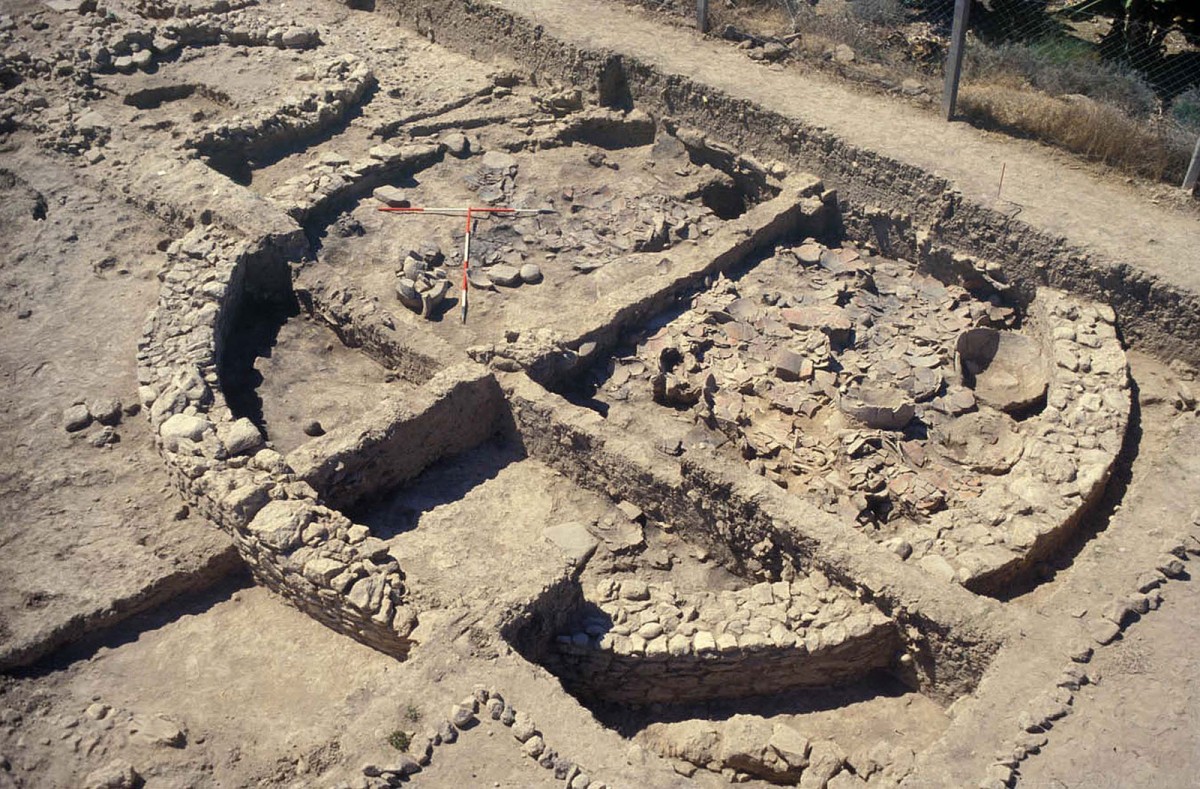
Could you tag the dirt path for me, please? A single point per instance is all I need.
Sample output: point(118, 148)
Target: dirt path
point(1051, 191)
point(1138, 725)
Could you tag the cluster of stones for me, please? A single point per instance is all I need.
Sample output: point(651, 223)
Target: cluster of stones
point(187, 9)
point(105, 411)
point(1066, 456)
point(588, 126)
point(96, 732)
point(595, 224)
point(1039, 716)
point(494, 180)
point(489, 704)
point(48, 82)
point(340, 85)
point(648, 643)
point(332, 177)
point(422, 283)
point(609, 225)
point(93, 39)
point(324, 564)
point(761, 365)
point(819, 386)
point(113, 44)
point(243, 30)
point(744, 747)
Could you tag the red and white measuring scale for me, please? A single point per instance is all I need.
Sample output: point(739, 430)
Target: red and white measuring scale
point(470, 213)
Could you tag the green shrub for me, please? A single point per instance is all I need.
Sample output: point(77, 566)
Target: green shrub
point(1185, 110)
point(1062, 66)
point(399, 740)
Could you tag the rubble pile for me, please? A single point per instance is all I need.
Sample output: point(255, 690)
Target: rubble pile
point(888, 398)
point(423, 282)
point(815, 384)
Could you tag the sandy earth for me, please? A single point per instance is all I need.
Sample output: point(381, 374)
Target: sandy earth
point(222, 684)
point(1049, 189)
point(1137, 726)
point(82, 525)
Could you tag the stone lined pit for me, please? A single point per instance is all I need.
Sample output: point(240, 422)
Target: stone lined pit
point(647, 643)
point(714, 438)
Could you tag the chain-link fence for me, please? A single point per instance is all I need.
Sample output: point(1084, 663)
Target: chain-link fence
point(1117, 81)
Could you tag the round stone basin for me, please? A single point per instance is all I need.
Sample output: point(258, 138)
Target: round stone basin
point(1004, 368)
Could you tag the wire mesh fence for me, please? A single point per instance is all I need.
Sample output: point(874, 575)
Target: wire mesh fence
point(1117, 81)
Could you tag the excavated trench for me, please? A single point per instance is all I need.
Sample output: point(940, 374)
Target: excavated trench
point(747, 458)
point(767, 354)
point(886, 397)
point(771, 410)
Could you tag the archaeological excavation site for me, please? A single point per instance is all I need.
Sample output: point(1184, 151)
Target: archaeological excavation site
point(516, 393)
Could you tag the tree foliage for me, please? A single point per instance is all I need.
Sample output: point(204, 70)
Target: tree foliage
point(1140, 27)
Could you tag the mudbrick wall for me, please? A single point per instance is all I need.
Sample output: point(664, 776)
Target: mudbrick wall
point(650, 644)
point(1154, 314)
point(457, 409)
point(749, 523)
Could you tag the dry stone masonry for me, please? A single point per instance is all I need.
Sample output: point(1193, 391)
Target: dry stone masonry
point(864, 445)
point(647, 643)
point(887, 397)
point(340, 85)
point(323, 563)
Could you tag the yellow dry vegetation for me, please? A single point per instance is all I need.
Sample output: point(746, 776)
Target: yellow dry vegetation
point(1097, 131)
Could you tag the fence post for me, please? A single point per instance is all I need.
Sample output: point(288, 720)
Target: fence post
point(702, 15)
point(958, 39)
point(1193, 173)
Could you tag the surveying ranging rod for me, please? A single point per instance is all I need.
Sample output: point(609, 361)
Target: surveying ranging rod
point(470, 213)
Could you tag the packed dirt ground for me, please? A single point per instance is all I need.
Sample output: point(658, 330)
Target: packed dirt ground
point(711, 486)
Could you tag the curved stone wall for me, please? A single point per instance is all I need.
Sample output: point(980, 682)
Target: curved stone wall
point(327, 566)
point(1070, 450)
point(647, 643)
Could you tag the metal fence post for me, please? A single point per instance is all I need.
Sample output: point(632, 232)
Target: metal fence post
point(702, 15)
point(1193, 173)
point(958, 39)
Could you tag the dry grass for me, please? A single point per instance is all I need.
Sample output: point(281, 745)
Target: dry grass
point(1097, 131)
point(1055, 90)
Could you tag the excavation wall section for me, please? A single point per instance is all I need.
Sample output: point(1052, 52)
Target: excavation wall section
point(882, 199)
